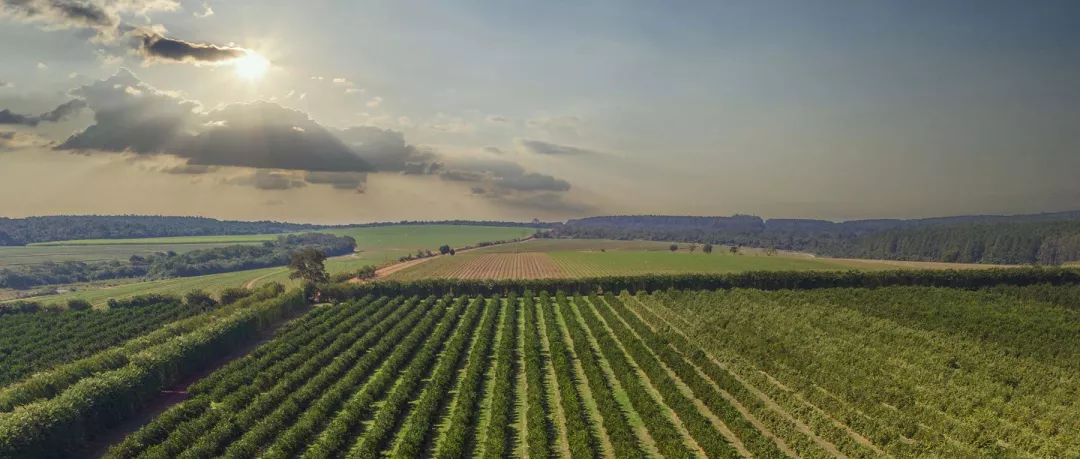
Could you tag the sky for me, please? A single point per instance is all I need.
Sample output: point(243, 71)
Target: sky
point(357, 111)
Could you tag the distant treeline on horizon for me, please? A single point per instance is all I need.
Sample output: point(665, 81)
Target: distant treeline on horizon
point(30, 230)
point(1049, 238)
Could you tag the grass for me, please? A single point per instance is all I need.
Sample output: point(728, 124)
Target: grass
point(375, 246)
point(587, 264)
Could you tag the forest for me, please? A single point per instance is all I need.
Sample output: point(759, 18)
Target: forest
point(165, 265)
point(1048, 239)
point(22, 231)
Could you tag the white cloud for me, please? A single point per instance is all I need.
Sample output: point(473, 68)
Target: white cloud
point(207, 11)
point(42, 66)
point(374, 102)
point(353, 90)
point(405, 121)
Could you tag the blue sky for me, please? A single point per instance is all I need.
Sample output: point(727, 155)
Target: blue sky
point(553, 109)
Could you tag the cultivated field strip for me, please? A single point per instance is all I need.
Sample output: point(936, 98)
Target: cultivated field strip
point(500, 266)
point(667, 374)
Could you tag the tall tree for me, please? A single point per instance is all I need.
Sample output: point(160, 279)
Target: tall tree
point(707, 248)
point(307, 264)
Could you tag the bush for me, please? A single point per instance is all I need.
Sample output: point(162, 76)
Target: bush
point(78, 304)
point(233, 294)
point(200, 299)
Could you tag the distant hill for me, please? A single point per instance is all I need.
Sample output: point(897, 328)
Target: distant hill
point(1048, 238)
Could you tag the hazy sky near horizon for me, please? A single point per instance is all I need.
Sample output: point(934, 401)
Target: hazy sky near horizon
point(352, 111)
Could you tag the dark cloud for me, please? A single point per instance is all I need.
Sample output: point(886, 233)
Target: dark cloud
point(533, 182)
point(267, 135)
point(340, 180)
point(156, 46)
point(553, 149)
point(130, 115)
point(62, 13)
point(57, 114)
point(494, 150)
point(498, 119)
point(268, 180)
point(5, 84)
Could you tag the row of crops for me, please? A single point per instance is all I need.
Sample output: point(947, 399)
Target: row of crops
point(812, 373)
point(818, 373)
point(62, 411)
point(38, 341)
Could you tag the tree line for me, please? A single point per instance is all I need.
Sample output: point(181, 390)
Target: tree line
point(1048, 239)
point(170, 264)
point(30, 230)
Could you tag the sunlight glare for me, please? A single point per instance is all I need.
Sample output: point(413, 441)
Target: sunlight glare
point(251, 67)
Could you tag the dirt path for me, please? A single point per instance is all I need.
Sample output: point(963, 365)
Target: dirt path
point(177, 393)
point(251, 283)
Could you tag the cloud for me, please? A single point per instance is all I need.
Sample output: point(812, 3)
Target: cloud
point(157, 47)
point(268, 180)
point(557, 125)
point(339, 180)
point(449, 124)
point(57, 114)
point(353, 90)
point(133, 117)
point(207, 11)
point(405, 121)
point(104, 18)
point(374, 102)
point(189, 169)
point(62, 14)
point(340, 80)
point(42, 66)
point(533, 182)
point(546, 202)
point(6, 84)
point(494, 150)
point(14, 140)
point(498, 119)
point(477, 190)
point(540, 147)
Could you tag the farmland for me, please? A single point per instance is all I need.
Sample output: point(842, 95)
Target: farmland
point(375, 246)
point(806, 373)
point(493, 264)
point(553, 258)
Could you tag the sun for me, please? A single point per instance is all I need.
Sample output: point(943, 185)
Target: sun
point(251, 66)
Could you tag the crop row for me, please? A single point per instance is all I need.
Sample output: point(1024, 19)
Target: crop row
point(38, 341)
point(57, 420)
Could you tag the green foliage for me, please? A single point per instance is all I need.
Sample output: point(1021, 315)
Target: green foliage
point(60, 426)
point(231, 295)
point(307, 264)
point(76, 304)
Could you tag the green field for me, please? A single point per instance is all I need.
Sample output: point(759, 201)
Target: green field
point(588, 264)
point(375, 246)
